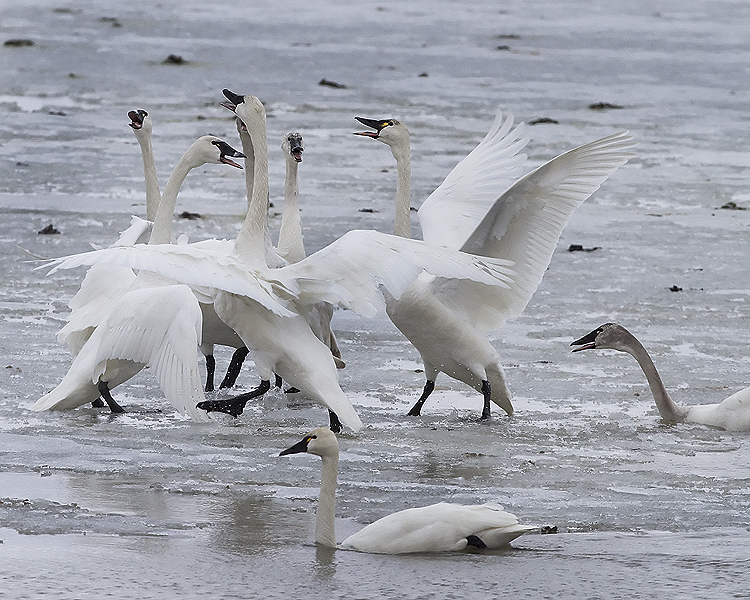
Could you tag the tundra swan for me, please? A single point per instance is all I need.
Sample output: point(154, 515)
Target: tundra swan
point(481, 209)
point(732, 413)
point(103, 284)
point(134, 334)
point(291, 246)
point(441, 527)
point(261, 304)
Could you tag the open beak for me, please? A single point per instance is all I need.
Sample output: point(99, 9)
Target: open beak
point(372, 123)
point(136, 118)
point(226, 152)
point(587, 342)
point(232, 99)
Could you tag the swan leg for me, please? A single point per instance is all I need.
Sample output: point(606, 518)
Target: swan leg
point(416, 410)
point(235, 365)
point(210, 370)
point(235, 406)
point(104, 391)
point(278, 381)
point(335, 424)
point(487, 393)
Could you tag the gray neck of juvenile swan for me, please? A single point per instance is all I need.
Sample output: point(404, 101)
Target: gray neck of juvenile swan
point(668, 408)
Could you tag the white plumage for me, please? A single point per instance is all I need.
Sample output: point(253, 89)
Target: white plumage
point(481, 209)
point(157, 322)
point(263, 305)
point(441, 527)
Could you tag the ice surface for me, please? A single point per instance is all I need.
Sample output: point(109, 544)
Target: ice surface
point(149, 505)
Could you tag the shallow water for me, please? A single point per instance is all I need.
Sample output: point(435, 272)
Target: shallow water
point(147, 504)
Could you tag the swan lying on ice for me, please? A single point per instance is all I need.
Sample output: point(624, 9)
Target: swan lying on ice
point(441, 527)
point(732, 414)
point(481, 208)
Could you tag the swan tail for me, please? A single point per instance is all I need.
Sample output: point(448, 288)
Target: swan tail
point(75, 389)
point(499, 392)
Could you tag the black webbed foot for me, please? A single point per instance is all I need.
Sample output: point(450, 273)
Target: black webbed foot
point(234, 406)
point(230, 406)
point(334, 423)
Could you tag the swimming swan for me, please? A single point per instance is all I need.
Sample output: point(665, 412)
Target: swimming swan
point(134, 334)
point(261, 304)
point(481, 208)
point(732, 414)
point(441, 527)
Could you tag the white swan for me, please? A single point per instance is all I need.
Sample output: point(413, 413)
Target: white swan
point(480, 208)
point(261, 303)
point(103, 284)
point(441, 527)
point(156, 322)
point(732, 414)
point(291, 245)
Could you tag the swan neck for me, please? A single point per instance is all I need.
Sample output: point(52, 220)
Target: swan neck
point(249, 151)
point(153, 194)
point(161, 232)
point(253, 238)
point(668, 408)
point(402, 225)
point(325, 515)
point(291, 244)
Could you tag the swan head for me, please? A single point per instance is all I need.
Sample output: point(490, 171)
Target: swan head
point(609, 336)
point(293, 146)
point(211, 149)
point(389, 131)
point(321, 442)
point(140, 121)
point(248, 108)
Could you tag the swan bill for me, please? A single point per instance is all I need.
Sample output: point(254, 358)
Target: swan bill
point(377, 124)
point(588, 341)
point(299, 447)
point(136, 118)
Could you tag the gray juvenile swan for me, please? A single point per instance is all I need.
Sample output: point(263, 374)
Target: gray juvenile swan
point(441, 527)
point(732, 414)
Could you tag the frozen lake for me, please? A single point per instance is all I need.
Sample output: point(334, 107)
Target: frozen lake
point(149, 505)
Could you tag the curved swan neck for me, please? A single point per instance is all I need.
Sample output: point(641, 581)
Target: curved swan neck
point(253, 237)
point(402, 225)
point(291, 245)
point(153, 194)
point(161, 232)
point(325, 515)
point(668, 408)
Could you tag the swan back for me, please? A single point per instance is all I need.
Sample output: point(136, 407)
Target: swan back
point(441, 527)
